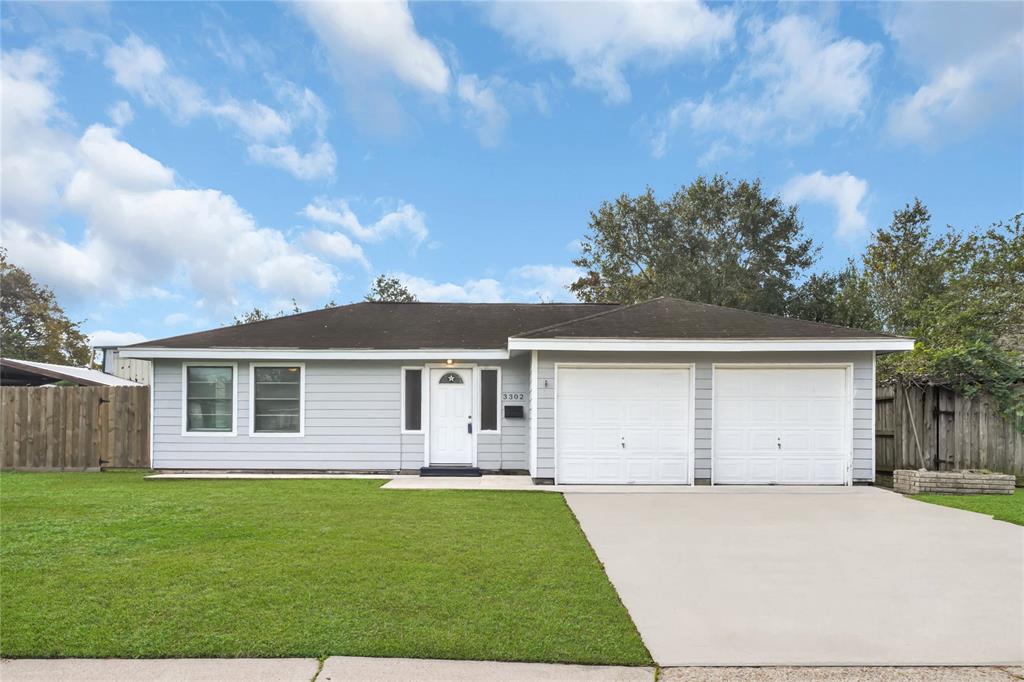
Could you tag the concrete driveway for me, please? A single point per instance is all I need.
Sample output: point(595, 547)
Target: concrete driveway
point(806, 576)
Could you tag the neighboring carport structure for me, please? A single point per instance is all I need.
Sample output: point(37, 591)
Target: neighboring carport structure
point(30, 373)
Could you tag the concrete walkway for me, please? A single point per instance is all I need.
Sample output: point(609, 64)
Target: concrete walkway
point(860, 577)
point(334, 669)
point(526, 484)
point(339, 668)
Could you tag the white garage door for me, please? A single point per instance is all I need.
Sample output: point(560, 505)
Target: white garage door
point(623, 425)
point(780, 425)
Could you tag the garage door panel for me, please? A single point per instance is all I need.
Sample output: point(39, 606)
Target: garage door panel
point(733, 409)
point(795, 441)
point(828, 470)
point(794, 410)
point(646, 409)
point(606, 439)
point(573, 440)
point(763, 470)
point(605, 410)
point(669, 410)
point(672, 439)
point(761, 440)
point(829, 441)
point(641, 411)
point(789, 427)
point(672, 471)
point(640, 439)
point(796, 469)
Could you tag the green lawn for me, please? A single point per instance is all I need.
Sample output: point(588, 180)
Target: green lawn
point(109, 565)
point(1002, 507)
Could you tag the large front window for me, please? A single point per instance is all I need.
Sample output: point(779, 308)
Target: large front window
point(277, 399)
point(210, 398)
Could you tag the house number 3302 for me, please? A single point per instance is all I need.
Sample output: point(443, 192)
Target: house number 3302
point(513, 396)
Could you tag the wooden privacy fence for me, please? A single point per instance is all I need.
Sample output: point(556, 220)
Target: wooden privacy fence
point(953, 432)
point(74, 427)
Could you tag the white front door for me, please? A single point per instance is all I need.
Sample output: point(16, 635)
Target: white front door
point(780, 425)
point(623, 425)
point(451, 416)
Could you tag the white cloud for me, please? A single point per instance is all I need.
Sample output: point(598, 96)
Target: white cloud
point(524, 284)
point(533, 283)
point(121, 114)
point(174, 319)
point(844, 192)
point(336, 245)
point(471, 291)
point(318, 162)
point(368, 39)
point(484, 112)
point(970, 57)
point(143, 70)
point(486, 103)
point(796, 80)
point(142, 230)
point(405, 219)
point(37, 153)
point(599, 41)
point(107, 337)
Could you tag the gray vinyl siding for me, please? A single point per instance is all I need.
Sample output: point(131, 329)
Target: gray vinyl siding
point(508, 450)
point(352, 423)
point(863, 399)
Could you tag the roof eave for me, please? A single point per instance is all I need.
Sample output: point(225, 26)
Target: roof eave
point(239, 353)
point(713, 345)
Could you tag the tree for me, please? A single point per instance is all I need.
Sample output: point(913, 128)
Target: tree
point(840, 297)
point(257, 314)
point(33, 326)
point(387, 289)
point(960, 295)
point(715, 241)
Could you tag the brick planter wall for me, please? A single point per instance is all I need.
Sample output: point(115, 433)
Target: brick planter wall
point(913, 482)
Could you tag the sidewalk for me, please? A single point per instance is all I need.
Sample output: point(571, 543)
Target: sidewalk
point(344, 668)
point(335, 669)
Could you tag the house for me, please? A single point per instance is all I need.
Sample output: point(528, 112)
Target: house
point(666, 391)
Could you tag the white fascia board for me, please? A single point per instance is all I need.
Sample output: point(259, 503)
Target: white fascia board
point(308, 354)
point(711, 345)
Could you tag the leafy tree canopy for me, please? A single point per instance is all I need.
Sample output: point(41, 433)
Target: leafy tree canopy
point(258, 314)
point(387, 289)
point(715, 241)
point(33, 325)
point(961, 295)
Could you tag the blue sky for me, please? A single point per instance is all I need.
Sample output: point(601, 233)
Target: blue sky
point(168, 165)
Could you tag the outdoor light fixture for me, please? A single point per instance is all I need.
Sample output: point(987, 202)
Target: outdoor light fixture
point(449, 362)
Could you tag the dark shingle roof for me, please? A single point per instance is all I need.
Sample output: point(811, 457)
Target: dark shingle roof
point(388, 326)
point(673, 318)
point(410, 326)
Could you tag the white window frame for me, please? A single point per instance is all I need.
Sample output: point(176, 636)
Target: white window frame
point(234, 400)
point(478, 379)
point(252, 400)
point(424, 396)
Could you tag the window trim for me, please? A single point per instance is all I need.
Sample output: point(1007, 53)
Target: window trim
point(497, 399)
point(234, 400)
point(251, 425)
point(424, 378)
